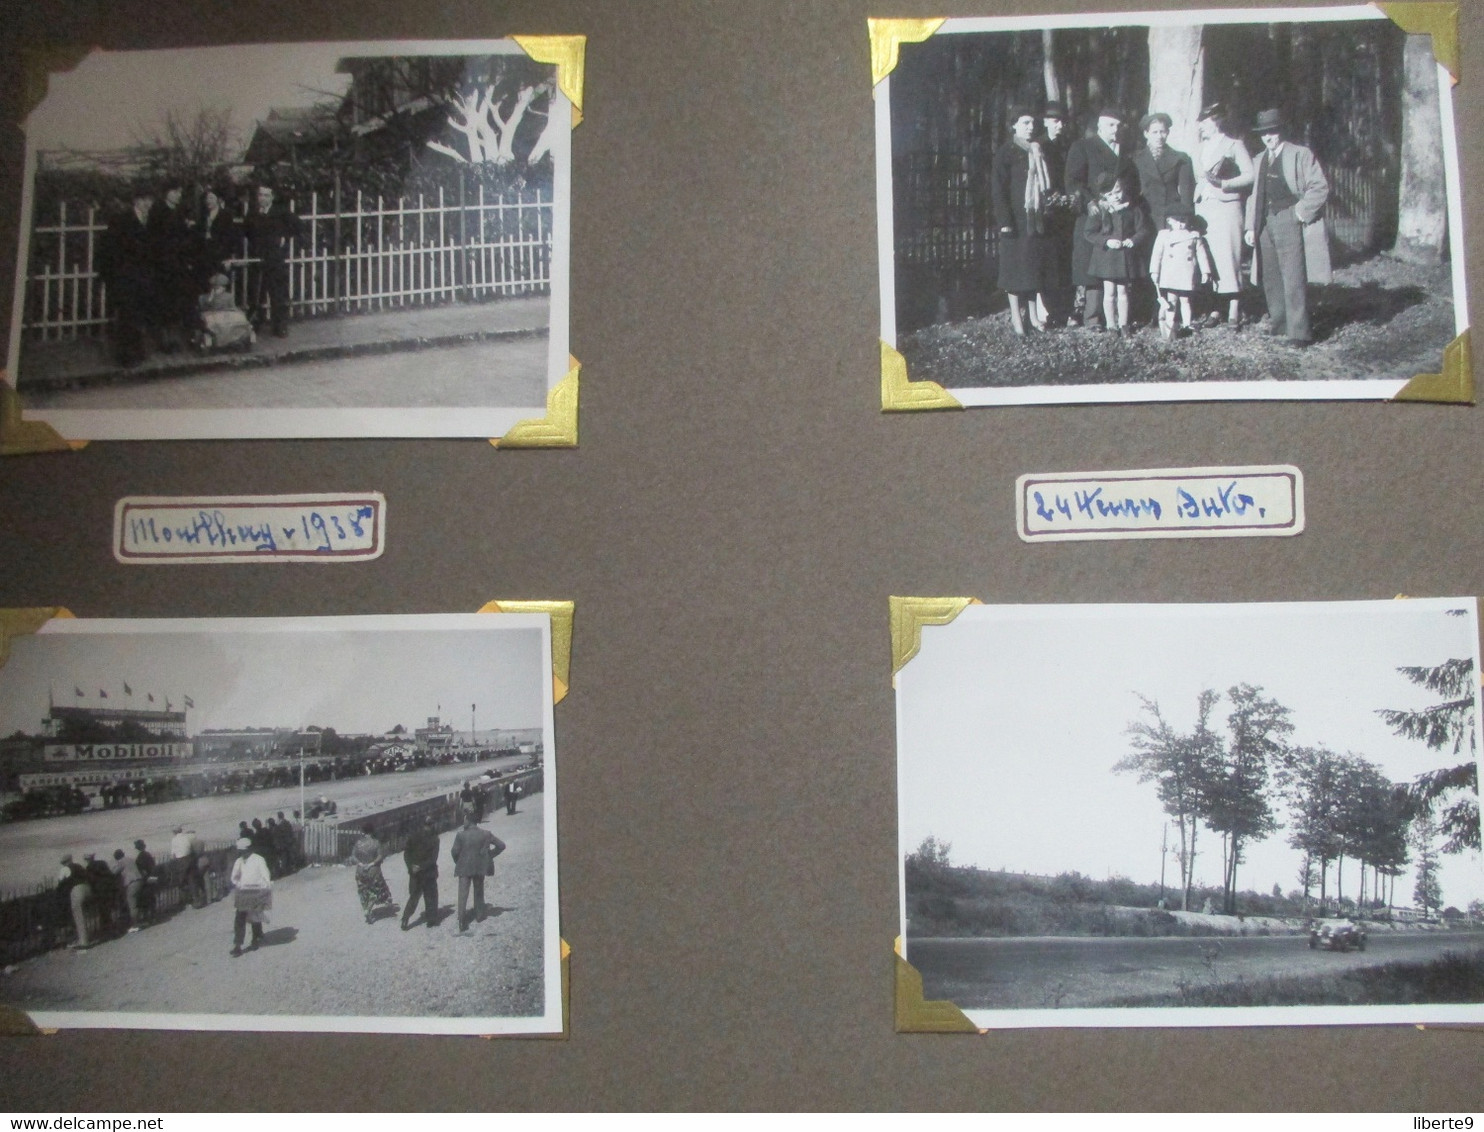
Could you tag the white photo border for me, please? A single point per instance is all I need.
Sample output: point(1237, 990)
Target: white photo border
point(1384, 389)
point(488, 422)
point(550, 1022)
point(1130, 1017)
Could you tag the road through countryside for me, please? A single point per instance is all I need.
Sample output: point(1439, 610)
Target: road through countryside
point(1042, 972)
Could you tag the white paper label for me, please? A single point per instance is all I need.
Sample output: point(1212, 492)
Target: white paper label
point(251, 528)
point(1161, 503)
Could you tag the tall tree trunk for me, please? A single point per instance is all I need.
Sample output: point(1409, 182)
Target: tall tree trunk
point(1177, 76)
point(1048, 66)
point(1422, 219)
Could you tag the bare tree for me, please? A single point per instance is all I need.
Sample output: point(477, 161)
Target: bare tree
point(188, 149)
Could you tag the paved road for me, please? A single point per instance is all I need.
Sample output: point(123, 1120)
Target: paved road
point(30, 850)
point(471, 375)
point(321, 958)
point(1040, 972)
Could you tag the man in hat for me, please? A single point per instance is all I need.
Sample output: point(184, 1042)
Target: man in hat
point(77, 897)
point(1087, 160)
point(126, 264)
point(252, 895)
point(1057, 294)
point(1285, 224)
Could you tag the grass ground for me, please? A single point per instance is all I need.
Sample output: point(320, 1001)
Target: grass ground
point(1380, 318)
point(1451, 978)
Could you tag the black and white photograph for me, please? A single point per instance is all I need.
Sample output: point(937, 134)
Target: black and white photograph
point(1195, 815)
point(338, 823)
point(1253, 204)
point(295, 240)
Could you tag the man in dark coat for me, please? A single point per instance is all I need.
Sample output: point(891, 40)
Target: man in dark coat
point(421, 858)
point(126, 264)
point(1087, 160)
point(474, 853)
point(271, 229)
point(171, 244)
point(1055, 142)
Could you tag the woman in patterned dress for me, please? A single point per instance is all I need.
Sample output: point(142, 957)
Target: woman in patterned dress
point(367, 855)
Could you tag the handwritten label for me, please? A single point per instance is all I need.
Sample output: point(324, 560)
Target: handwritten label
point(1161, 503)
point(253, 528)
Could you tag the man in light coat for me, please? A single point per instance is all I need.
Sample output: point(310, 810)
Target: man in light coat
point(1285, 224)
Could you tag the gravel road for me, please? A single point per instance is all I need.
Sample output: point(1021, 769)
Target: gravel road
point(1041, 972)
point(320, 957)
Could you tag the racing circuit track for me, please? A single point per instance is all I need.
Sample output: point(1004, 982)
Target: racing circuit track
point(30, 850)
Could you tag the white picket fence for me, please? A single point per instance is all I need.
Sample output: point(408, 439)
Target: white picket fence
point(371, 254)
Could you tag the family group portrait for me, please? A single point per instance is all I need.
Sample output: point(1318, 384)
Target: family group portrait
point(281, 824)
point(1240, 814)
point(294, 239)
point(1178, 205)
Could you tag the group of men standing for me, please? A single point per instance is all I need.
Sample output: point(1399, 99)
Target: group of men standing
point(120, 892)
point(1273, 206)
point(158, 256)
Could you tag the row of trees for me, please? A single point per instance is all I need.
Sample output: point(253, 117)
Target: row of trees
point(1232, 783)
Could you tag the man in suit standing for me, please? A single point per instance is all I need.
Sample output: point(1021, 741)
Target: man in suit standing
point(127, 268)
point(271, 229)
point(474, 853)
point(421, 858)
point(1285, 223)
point(1087, 160)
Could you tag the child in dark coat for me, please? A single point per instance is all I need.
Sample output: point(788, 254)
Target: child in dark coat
point(1116, 230)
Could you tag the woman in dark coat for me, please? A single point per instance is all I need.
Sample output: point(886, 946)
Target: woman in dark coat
point(1019, 185)
point(218, 237)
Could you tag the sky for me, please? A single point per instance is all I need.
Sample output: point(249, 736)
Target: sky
point(84, 109)
point(1011, 718)
point(114, 98)
point(363, 675)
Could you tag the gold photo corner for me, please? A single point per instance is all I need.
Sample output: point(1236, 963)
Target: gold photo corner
point(917, 1015)
point(887, 37)
point(568, 54)
point(561, 614)
point(899, 393)
point(1455, 385)
point(558, 429)
point(20, 437)
point(566, 1030)
point(910, 614)
point(21, 622)
point(1426, 17)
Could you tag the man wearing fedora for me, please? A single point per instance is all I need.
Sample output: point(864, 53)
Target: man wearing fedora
point(1285, 224)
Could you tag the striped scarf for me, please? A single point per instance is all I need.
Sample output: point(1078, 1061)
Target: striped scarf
point(1037, 185)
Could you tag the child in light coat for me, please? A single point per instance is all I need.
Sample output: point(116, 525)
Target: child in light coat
point(1179, 266)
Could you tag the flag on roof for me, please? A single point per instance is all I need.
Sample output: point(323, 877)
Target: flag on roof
point(128, 691)
point(76, 689)
point(190, 702)
point(102, 695)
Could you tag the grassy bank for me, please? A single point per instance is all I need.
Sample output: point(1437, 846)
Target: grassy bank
point(1453, 977)
point(951, 900)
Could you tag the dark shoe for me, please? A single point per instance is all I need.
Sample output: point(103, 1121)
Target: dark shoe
point(236, 953)
point(405, 925)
